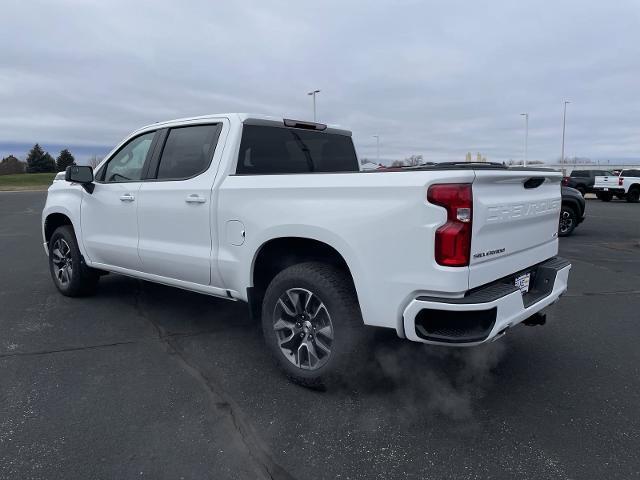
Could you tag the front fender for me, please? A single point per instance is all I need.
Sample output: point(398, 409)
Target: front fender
point(65, 200)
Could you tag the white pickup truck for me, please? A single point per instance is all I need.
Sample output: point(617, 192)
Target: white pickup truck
point(277, 213)
point(626, 185)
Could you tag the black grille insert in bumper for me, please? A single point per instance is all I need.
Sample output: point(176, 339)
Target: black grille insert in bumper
point(455, 326)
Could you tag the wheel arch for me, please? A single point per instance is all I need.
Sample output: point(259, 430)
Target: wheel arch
point(633, 193)
point(573, 204)
point(276, 254)
point(53, 216)
point(53, 221)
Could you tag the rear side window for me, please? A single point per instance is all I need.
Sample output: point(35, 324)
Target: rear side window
point(579, 173)
point(630, 173)
point(273, 150)
point(187, 151)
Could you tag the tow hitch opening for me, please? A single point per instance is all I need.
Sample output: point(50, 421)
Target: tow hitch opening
point(536, 319)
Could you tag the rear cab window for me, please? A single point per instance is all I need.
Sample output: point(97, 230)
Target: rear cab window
point(268, 150)
point(187, 151)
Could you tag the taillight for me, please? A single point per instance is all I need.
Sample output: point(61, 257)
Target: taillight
point(565, 181)
point(620, 181)
point(453, 239)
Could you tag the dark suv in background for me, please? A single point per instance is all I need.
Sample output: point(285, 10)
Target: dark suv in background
point(582, 180)
point(573, 211)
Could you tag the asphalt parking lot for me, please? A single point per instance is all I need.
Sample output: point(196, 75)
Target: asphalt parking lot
point(142, 380)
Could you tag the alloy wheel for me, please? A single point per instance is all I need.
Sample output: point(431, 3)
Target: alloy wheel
point(62, 261)
point(303, 328)
point(566, 221)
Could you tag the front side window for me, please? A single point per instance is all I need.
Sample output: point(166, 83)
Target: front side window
point(187, 151)
point(278, 150)
point(127, 164)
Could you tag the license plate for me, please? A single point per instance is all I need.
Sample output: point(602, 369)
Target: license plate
point(522, 282)
point(606, 189)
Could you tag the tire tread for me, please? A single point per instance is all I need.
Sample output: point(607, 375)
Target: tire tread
point(349, 318)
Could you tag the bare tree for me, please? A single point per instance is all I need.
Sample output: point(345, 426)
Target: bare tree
point(94, 161)
point(413, 160)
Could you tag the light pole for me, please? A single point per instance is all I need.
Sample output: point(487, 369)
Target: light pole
point(313, 94)
point(526, 136)
point(564, 124)
point(377, 137)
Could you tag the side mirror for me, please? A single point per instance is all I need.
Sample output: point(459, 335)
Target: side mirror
point(82, 174)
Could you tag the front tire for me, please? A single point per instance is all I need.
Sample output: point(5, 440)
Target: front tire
point(70, 274)
point(568, 221)
point(312, 323)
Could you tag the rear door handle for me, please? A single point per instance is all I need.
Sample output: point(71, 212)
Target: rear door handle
point(127, 197)
point(195, 198)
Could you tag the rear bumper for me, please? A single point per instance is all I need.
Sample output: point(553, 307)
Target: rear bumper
point(614, 190)
point(486, 312)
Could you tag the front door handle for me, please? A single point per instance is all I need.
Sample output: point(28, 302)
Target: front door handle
point(127, 197)
point(195, 198)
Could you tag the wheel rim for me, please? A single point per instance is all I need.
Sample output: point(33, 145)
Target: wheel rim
point(566, 221)
point(62, 261)
point(303, 328)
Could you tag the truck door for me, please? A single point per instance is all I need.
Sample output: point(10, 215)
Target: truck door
point(176, 210)
point(109, 222)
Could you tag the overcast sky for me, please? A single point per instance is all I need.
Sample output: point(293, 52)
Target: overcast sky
point(433, 78)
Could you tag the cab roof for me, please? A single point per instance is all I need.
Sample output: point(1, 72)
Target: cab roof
point(249, 118)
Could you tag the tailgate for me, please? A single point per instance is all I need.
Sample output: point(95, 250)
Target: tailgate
point(605, 182)
point(515, 222)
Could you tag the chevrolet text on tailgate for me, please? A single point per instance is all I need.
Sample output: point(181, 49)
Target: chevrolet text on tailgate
point(277, 213)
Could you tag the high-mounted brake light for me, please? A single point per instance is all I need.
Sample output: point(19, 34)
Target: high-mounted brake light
point(453, 239)
point(306, 125)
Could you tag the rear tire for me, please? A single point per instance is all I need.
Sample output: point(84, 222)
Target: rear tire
point(568, 221)
point(71, 276)
point(605, 196)
point(633, 195)
point(312, 324)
